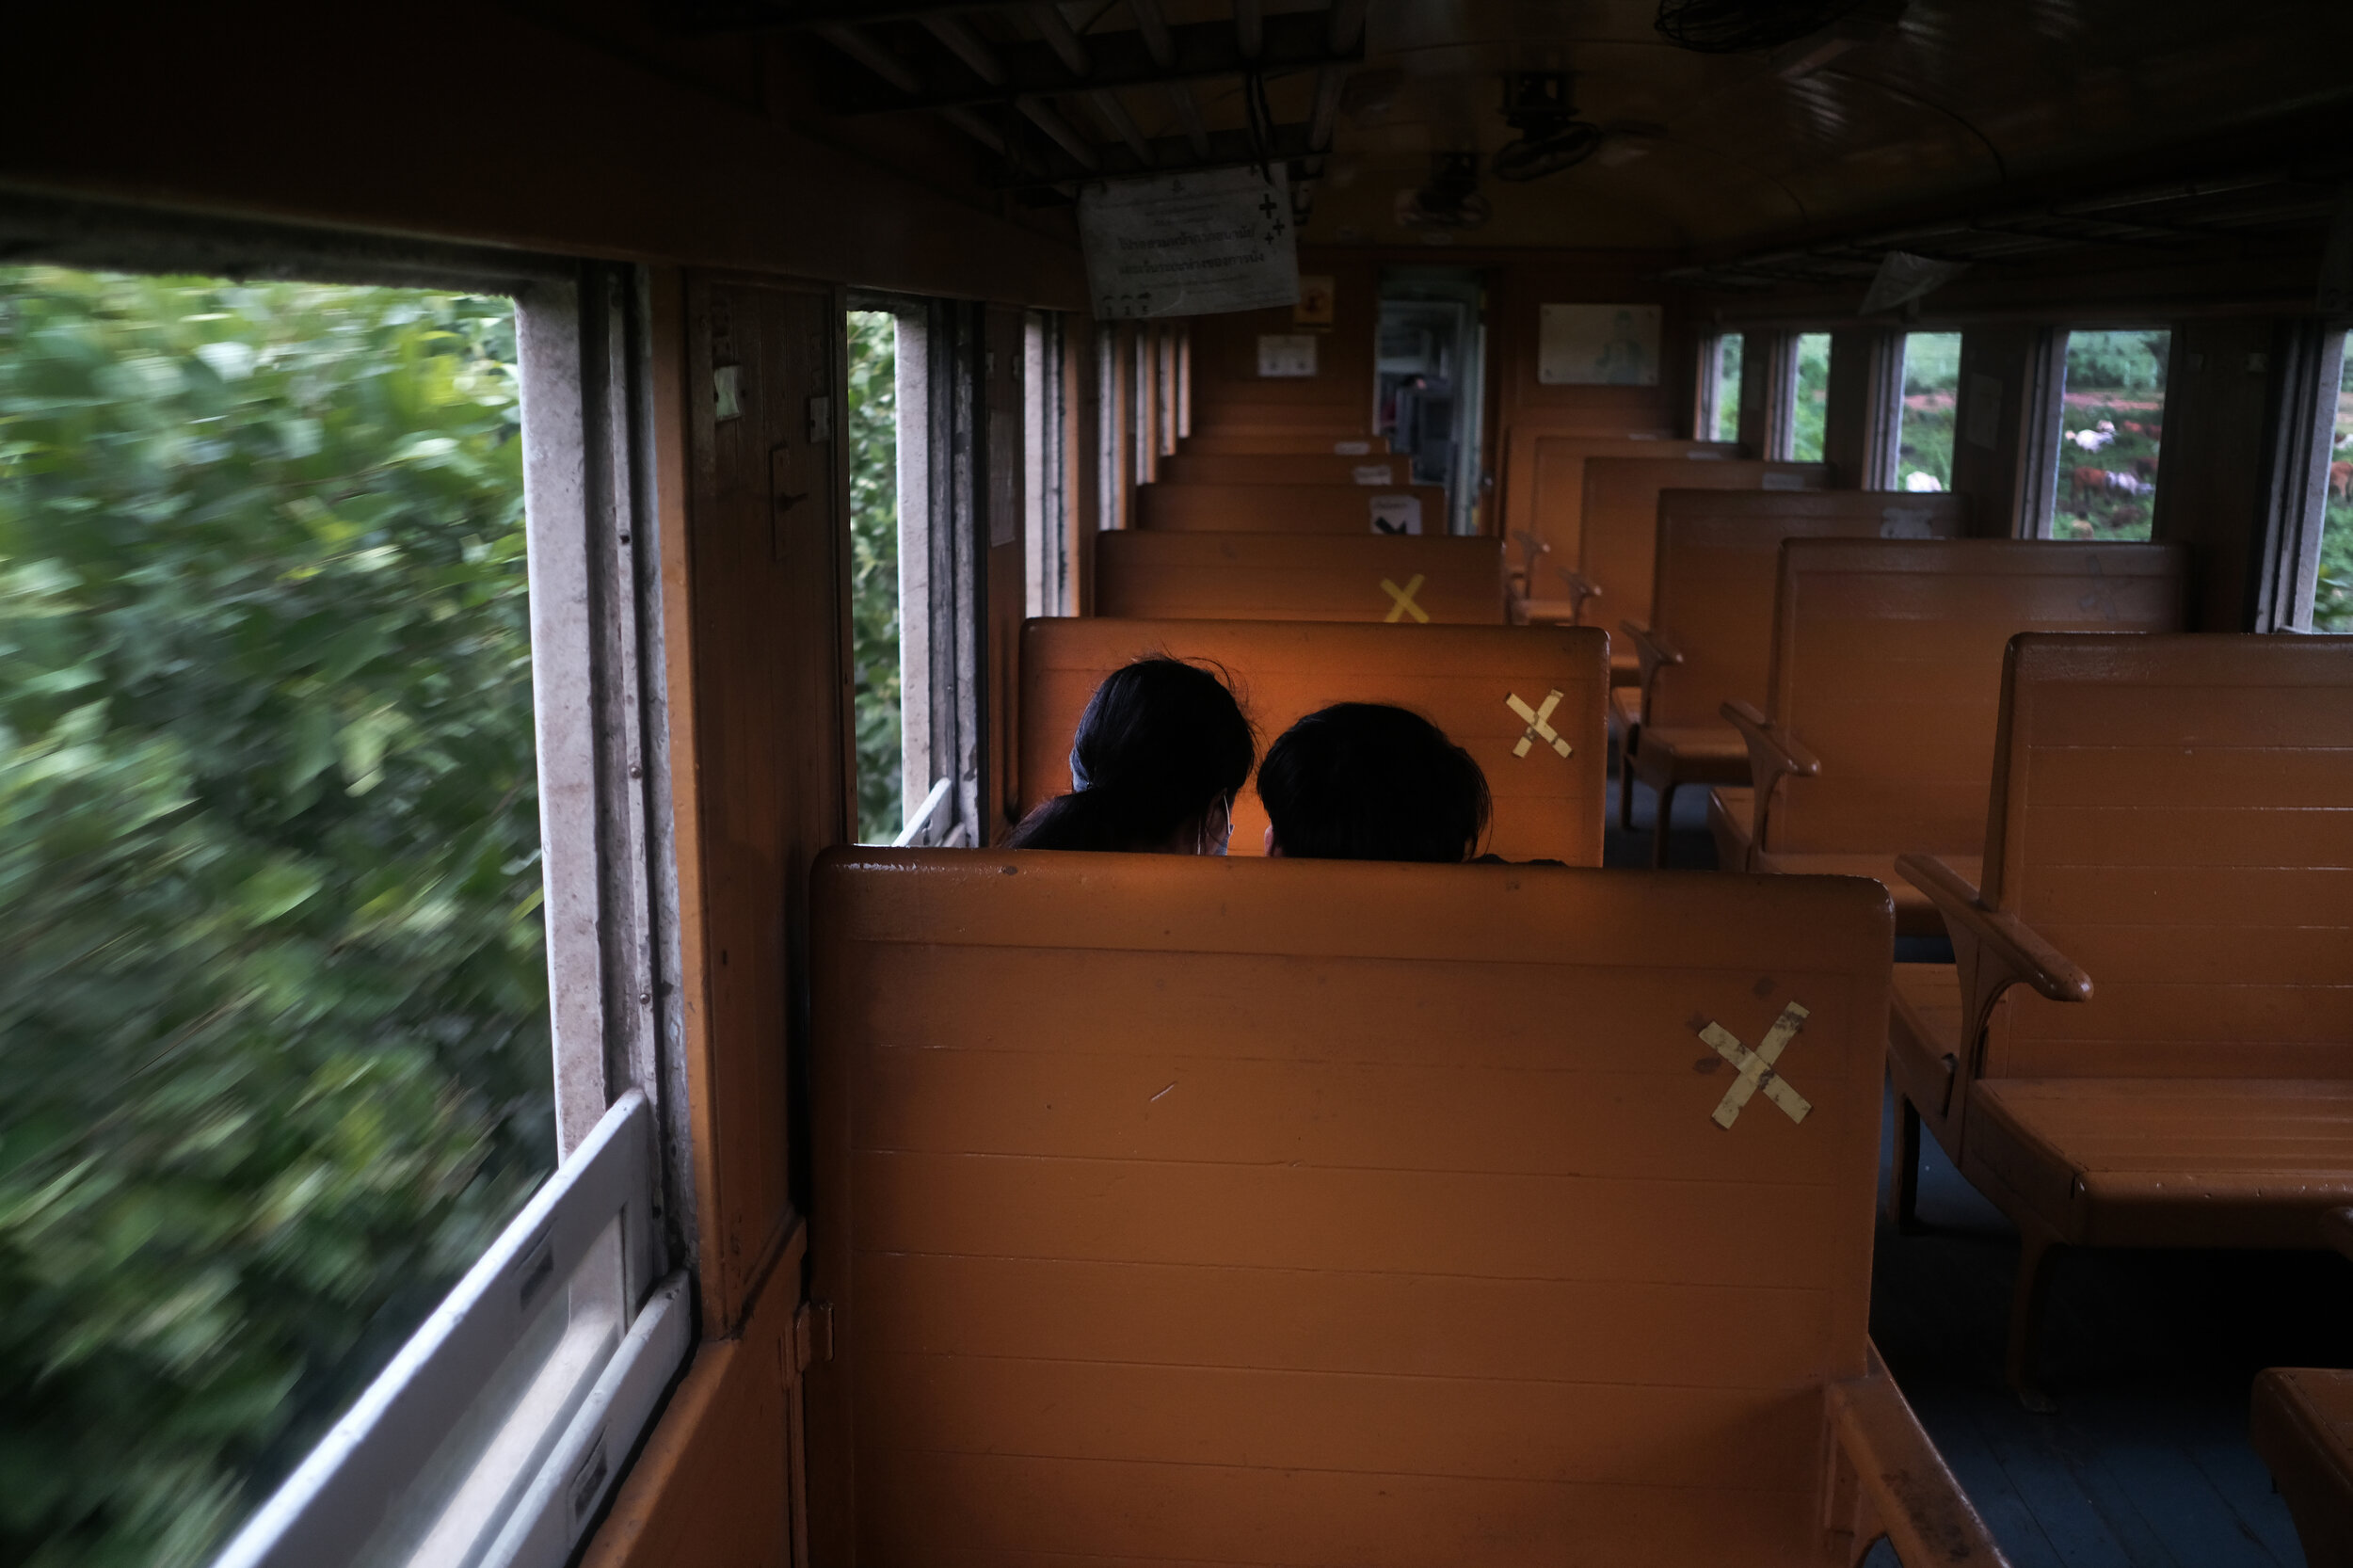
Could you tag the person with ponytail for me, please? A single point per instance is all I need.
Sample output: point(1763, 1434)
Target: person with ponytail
point(1161, 750)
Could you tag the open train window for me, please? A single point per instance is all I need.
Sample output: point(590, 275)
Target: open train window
point(316, 768)
point(2112, 420)
point(1931, 385)
point(1809, 398)
point(1720, 389)
point(917, 636)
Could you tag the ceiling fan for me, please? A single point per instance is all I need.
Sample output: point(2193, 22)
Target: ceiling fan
point(1552, 136)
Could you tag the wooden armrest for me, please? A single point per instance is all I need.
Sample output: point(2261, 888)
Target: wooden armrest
point(1581, 589)
point(1770, 750)
point(1536, 548)
point(1927, 1515)
point(2011, 940)
point(1773, 756)
point(1653, 647)
point(2336, 1228)
point(1654, 651)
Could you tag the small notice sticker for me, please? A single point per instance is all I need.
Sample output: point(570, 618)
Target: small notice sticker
point(1396, 514)
point(1350, 449)
point(1375, 474)
point(1784, 482)
point(1287, 354)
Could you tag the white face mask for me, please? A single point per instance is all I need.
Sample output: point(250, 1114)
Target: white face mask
point(1217, 829)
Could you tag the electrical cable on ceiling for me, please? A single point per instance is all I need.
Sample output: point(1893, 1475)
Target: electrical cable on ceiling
point(1731, 26)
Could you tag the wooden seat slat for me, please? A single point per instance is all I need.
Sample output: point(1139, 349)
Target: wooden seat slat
point(1280, 509)
point(1545, 478)
point(1155, 1192)
point(1142, 574)
point(2198, 1088)
point(1367, 469)
point(1458, 677)
point(1886, 666)
point(1713, 577)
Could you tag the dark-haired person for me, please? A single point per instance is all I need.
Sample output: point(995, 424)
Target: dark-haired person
point(1161, 750)
point(1365, 781)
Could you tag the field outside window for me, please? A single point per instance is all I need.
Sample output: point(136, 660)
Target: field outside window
point(2112, 420)
point(1932, 384)
point(874, 653)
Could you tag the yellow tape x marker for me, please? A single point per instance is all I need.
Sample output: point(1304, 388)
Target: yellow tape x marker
point(1756, 1067)
point(1404, 597)
point(1539, 722)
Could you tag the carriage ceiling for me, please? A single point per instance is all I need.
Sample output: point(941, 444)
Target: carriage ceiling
point(1972, 129)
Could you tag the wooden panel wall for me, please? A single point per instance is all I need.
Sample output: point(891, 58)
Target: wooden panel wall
point(1228, 393)
point(766, 585)
point(2214, 462)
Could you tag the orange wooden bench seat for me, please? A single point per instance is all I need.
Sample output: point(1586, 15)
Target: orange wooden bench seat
point(2302, 1420)
point(1432, 580)
point(1460, 678)
point(1325, 508)
point(1884, 685)
point(1284, 468)
point(2144, 1042)
point(1544, 488)
point(1277, 1212)
point(1274, 439)
point(1618, 538)
point(1709, 639)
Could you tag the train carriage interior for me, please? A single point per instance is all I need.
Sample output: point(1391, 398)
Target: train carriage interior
point(547, 549)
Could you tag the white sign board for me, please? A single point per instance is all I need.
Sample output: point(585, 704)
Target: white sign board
point(1597, 345)
point(1396, 514)
point(1189, 244)
point(1287, 354)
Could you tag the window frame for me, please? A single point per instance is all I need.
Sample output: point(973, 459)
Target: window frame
point(2310, 378)
point(608, 868)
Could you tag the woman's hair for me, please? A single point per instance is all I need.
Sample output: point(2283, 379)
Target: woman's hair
point(1365, 781)
point(1162, 743)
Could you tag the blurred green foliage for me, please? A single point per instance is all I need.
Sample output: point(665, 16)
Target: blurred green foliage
point(874, 433)
point(273, 1041)
point(2332, 598)
point(1813, 405)
point(1931, 388)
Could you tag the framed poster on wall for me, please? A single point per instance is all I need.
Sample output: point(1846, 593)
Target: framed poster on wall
point(1597, 345)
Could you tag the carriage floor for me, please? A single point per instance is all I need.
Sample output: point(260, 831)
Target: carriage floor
point(2148, 1355)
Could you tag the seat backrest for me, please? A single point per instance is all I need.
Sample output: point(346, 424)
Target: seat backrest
point(1257, 441)
point(2171, 814)
point(1555, 492)
point(1619, 538)
point(1460, 678)
point(1276, 1212)
point(1888, 666)
point(1712, 585)
point(1331, 508)
point(1296, 468)
point(1150, 574)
